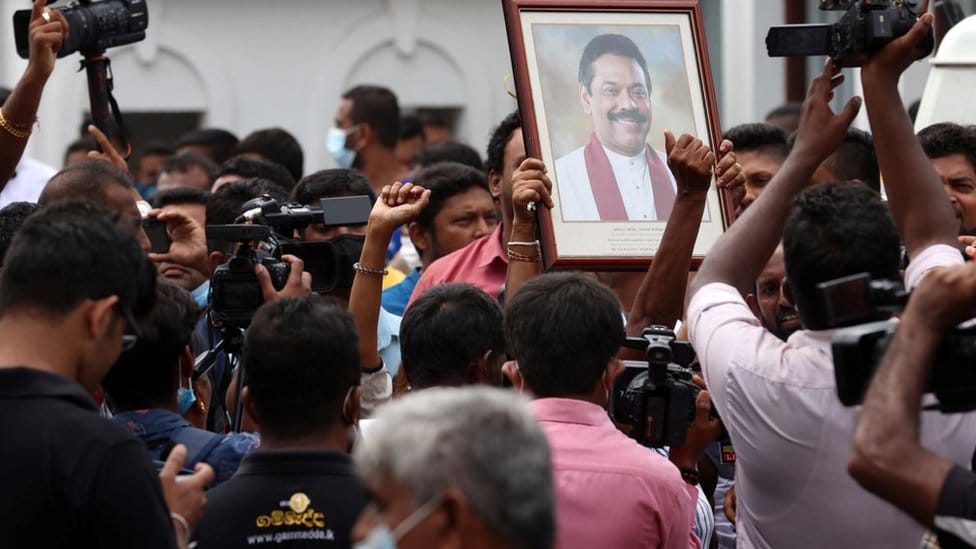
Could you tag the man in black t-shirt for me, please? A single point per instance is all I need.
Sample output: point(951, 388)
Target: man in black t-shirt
point(72, 282)
point(299, 489)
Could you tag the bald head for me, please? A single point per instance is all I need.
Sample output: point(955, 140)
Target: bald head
point(101, 184)
point(88, 181)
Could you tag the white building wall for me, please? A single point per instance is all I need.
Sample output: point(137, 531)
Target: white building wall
point(249, 64)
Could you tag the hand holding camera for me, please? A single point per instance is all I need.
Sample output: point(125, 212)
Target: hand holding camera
point(290, 282)
point(866, 27)
point(704, 429)
point(892, 60)
point(48, 30)
point(658, 403)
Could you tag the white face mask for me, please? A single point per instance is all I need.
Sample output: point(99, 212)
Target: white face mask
point(335, 143)
point(380, 537)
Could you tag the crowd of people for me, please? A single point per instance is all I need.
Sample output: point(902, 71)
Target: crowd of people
point(443, 390)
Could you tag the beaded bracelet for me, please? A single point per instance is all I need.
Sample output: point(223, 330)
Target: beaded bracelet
point(366, 270)
point(515, 256)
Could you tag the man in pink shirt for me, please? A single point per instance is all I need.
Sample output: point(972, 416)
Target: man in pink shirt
point(564, 330)
point(484, 262)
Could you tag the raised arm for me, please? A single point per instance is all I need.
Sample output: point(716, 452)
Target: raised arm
point(921, 212)
point(530, 185)
point(886, 457)
point(397, 205)
point(661, 297)
point(48, 30)
point(739, 256)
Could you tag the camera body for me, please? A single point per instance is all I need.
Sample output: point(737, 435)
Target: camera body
point(655, 403)
point(865, 27)
point(859, 347)
point(234, 289)
point(235, 292)
point(94, 26)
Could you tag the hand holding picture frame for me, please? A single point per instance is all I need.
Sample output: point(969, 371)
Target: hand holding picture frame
point(598, 83)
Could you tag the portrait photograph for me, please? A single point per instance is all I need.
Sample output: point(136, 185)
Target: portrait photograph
point(597, 88)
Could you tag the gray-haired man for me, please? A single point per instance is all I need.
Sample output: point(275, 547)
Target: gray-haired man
point(462, 465)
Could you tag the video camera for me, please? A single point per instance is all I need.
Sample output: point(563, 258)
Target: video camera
point(94, 26)
point(856, 304)
point(865, 28)
point(655, 403)
point(235, 292)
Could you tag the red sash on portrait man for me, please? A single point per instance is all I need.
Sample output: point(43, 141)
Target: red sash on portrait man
point(604, 184)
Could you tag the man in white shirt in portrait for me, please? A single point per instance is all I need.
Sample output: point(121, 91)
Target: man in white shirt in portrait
point(616, 176)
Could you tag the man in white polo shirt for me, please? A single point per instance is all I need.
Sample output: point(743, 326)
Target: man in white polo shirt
point(778, 399)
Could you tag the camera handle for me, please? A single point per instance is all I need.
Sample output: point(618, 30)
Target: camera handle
point(232, 344)
point(104, 108)
point(232, 341)
point(238, 418)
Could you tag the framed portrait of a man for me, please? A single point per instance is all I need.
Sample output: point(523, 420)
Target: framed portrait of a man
point(598, 83)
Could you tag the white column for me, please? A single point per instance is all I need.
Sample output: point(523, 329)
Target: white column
point(738, 64)
point(754, 83)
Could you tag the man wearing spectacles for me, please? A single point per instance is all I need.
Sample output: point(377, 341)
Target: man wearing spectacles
point(72, 283)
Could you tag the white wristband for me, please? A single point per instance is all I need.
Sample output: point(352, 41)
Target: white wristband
point(178, 518)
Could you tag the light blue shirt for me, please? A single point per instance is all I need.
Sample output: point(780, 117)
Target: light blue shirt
point(388, 340)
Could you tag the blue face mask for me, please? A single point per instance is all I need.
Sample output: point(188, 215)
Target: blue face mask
point(186, 398)
point(202, 294)
point(380, 537)
point(335, 143)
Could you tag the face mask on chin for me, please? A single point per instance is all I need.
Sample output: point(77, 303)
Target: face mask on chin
point(381, 537)
point(186, 397)
point(201, 295)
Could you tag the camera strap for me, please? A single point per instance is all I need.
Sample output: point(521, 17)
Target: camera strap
point(105, 111)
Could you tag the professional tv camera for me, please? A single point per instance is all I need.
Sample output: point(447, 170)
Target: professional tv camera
point(235, 293)
point(655, 403)
point(857, 304)
point(865, 27)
